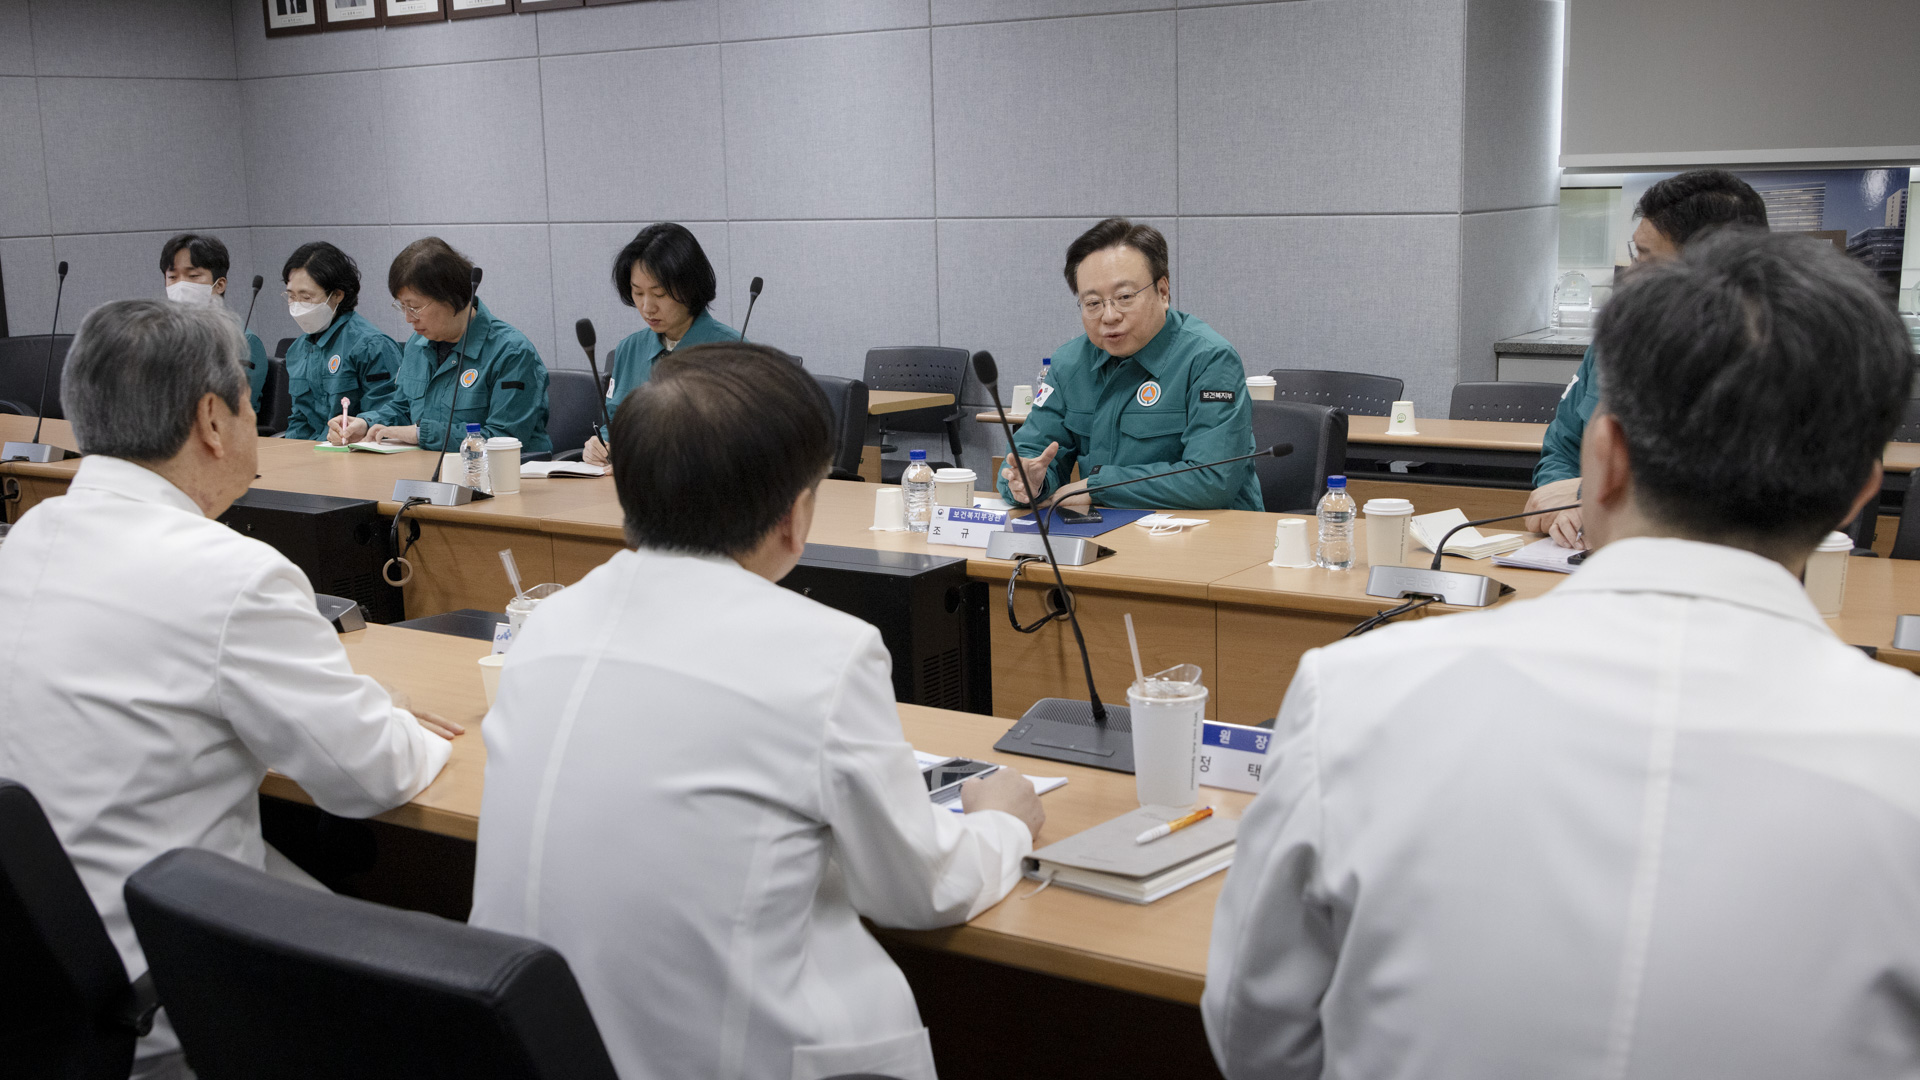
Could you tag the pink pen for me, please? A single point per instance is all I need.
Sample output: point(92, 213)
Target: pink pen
point(343, 421)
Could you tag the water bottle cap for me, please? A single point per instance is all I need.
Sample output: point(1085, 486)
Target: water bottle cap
point(1046, 361)
point(471, 428)
point(916, 455)
point(1338, 483)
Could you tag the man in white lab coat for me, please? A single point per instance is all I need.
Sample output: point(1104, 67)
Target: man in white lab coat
point(155, 663)
point(1658, 823)
point(696, 780)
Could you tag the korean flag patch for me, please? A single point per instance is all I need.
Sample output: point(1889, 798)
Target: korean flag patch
point(1148, 393)
point(1046, 391)
point(469, 376)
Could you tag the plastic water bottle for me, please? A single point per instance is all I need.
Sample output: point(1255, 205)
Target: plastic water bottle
point(917, 485)
point(1046, 369)
point(1336, 526)
point(473, 460)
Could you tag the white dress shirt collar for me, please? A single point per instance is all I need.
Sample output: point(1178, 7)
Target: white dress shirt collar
point(119, 476)
point(1693, 568)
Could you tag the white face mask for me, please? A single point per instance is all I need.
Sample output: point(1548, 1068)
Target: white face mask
point(190, 292)
point(312, 318)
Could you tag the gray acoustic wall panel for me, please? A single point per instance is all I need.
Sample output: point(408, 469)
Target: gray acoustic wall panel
point(583, 256)
point(838, 288)
point(115, 266)
point(458, 41)
point(652, 25)
point(314, 152)
point(653, 154)
point(372, 249)
point(462, 142)
point(830, 127)
point(258, 56)
point(23, 168)
point(27, 268)
point(745, 20)
point(1511, 84)
point(16, 38)
point(159, 39)
point(1321, 107)
point(1056, 117)
point(973, 11)
point(1507, 264)
point(143, 153)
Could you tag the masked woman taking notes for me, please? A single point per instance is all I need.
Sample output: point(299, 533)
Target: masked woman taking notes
point(665, 276)
point(339, 354)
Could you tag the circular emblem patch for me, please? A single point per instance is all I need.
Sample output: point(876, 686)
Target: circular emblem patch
point(1148, 393)
point(469, 376)
point(333, 364)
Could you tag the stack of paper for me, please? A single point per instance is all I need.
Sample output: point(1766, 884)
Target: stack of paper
point(1472, 543)
point(368, 447)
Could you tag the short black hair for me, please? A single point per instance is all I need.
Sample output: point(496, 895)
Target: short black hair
point(203, 252)
point(1117, 232)
point(1757, 379)
point(1681, 206)
point(673, 257)
point(330, 268)
point(712, 450)
point(433, 269)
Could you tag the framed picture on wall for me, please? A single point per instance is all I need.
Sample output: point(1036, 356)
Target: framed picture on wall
point(597, 3)
point(292, 17)
point(470, 9)
point(544, 5)
point(401, 12)
point(350, 14)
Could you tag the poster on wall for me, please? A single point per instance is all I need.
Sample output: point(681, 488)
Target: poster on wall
point(350, 14)
point(401, 12)
point(468, 9)
point(292, 17)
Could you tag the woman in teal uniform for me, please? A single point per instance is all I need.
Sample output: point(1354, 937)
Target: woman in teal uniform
point(195, 269)
point(460, 359)
point(665, 276)
point(339, 354)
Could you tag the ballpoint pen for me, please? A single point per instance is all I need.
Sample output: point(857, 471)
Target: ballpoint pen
point(1174, 826)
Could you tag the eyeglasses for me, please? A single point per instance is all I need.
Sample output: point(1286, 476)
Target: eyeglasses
point(1093, 308)
point(1633, 252)
point(409, 309)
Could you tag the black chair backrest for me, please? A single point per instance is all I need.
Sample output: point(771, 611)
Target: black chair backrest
point(573, 408)
point(280, 350)
point(1906, 537)
point(265, 978)
point(66, 1007)
point(848, 398)
point(1514, 402)
point(1909, 429)
point(932, 369)
point(276, 398)
point(1354, 392)
point(1294, 484)
point(23, 362)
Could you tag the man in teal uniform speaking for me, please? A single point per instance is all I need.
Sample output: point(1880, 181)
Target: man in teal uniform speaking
point(1145, 390)
point(1671, 212)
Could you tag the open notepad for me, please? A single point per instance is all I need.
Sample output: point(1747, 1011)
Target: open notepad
point(369, 447)
point(1472, 543)
point(534, 470)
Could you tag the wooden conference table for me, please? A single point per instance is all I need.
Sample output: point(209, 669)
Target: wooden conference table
point(1159, 950)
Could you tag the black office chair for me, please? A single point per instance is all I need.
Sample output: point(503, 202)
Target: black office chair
point(573, 410)
point(276, 400)
point(23, 362)
point(1909, 429)
point(265, 978)
point(280, 350)
point(1353, 392)
point(931, 369)
point(848, 400)
point(1514, 402)
point(66, 1007)
point(1294, 484)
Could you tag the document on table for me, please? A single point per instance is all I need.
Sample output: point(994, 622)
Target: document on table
point(369, 447)
point(1544, 554)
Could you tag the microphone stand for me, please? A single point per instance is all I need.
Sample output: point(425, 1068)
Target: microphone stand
point(753, 297)
point(1447, 586)
point(433, 491)
point(37, 451)
point(583, 331)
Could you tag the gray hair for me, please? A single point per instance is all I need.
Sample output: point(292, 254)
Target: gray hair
point(138, 369)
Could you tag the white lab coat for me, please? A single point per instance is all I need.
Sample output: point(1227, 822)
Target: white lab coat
point(696, 785)
point(1657, 823)
point(154, 664)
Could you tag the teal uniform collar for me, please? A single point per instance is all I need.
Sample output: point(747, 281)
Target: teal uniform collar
point(471, 344)
point(325, 338)
point(1153, 355)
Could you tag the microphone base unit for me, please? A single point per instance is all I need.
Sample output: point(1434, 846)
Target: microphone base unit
point(1059, 729)
point(436, 493)
point(1461, 590)
point(38, 453)
point(1068, 550)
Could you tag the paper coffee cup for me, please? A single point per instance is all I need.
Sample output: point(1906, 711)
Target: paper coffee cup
point(1166, 714)
point(1290, 547)
point(1022, 399)
point(1400, 419)
point(1826, 576)
point(953, 487)
point(490, 675)
point(889, 509)
point(1388, 522)
point(1260, 387)
point(503, 464)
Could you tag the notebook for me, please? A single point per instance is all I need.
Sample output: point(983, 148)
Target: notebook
point(369, 447)
point(547, 469)
point(1544, 554)
point(1105, 861)
point(1472, 543)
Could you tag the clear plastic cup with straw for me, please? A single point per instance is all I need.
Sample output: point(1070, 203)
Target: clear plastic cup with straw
point(1166, 712)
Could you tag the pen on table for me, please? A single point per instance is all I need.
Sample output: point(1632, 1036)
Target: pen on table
point(343, 421)
point(1174, 826)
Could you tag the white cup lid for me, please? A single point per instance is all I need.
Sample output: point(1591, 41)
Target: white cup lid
point(1260, 380)
point(503, 442)
point(1837, 541)
point(953, 474)
point(1388, 506)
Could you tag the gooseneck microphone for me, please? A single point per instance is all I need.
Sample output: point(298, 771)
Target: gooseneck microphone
point(1491, 520)
point(753, 297)
point(37, 451)
point(257, 282)
point(583, 330)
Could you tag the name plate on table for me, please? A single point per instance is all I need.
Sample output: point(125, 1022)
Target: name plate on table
point(965, 525)
point(1233, 756)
